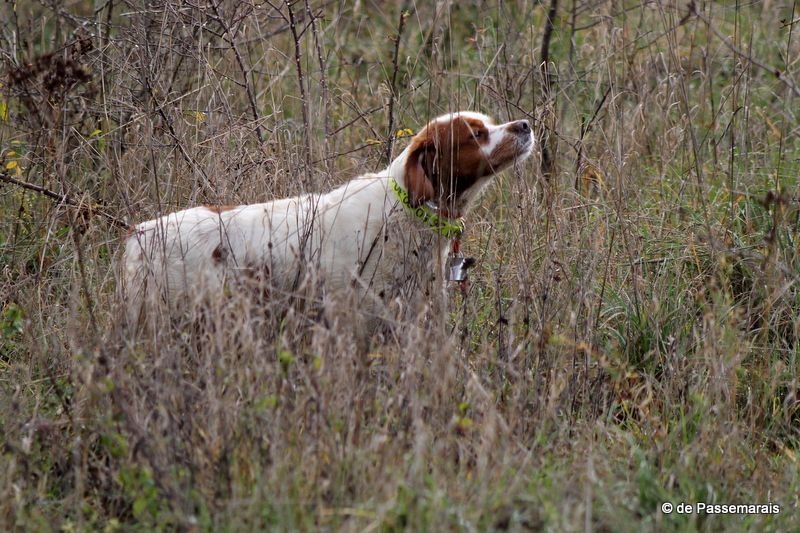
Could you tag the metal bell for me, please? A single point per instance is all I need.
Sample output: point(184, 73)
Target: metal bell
point(457, 266)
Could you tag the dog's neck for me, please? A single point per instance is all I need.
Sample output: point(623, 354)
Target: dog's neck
point(444, 207)
point(428, 215)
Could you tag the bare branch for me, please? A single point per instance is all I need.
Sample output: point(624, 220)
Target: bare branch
point(66, 200)
point(393, 85)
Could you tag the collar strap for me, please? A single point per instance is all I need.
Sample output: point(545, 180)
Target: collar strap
point(446, 227)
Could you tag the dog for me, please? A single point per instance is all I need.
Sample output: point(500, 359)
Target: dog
point(387, 234)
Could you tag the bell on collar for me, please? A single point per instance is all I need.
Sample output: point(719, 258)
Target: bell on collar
point(457, 266)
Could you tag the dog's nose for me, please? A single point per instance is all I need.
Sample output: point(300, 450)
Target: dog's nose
point(520, 127)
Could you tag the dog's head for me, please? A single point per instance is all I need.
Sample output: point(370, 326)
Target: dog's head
point(451, 158)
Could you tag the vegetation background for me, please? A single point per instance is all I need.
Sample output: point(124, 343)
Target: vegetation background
point(630, 336)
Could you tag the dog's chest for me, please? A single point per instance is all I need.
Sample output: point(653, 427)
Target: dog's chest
point(406, 260)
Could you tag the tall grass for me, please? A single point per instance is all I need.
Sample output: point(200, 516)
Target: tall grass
point(630, 336)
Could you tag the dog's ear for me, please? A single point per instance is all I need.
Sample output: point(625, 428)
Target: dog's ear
point(420, 171)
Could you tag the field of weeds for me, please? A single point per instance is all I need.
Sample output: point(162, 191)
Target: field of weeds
point(630, 337)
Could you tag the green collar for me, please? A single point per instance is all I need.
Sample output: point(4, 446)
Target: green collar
point(448, 228)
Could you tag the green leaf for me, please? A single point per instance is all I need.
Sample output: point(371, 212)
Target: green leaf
point(285, 358)
point(139, 506)
point(13, 320)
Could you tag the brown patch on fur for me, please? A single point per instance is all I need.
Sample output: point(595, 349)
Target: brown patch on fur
point(420, 187)
point(219, 254)
point(446, 159)
point(220, 208)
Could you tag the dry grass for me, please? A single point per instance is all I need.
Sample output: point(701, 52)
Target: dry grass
point(631, 335)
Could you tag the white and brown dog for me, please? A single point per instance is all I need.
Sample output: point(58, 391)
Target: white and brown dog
point(386, 234)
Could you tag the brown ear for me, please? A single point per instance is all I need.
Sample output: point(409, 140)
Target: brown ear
point(419, 168)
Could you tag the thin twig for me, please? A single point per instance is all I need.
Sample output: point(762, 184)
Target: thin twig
point(298, 61)
point(247, 71)
point(585, 127)
point(545, 52)
point(547, 160)
point(64, 199)
point(323, 78)
point(393, 85)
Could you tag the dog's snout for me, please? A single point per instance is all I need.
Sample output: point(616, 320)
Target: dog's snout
point(520, 127)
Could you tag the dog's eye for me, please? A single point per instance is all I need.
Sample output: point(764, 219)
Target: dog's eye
point(479, 134)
